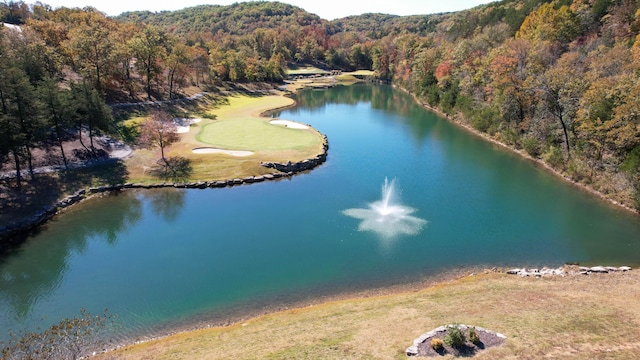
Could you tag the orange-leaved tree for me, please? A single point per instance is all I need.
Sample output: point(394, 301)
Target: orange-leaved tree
point(159, 130)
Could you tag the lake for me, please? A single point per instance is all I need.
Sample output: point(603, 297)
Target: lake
point(161, 259)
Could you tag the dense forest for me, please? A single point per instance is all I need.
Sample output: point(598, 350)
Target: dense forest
point(558, 79)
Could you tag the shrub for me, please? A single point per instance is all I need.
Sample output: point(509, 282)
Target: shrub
point(485, 119)
point(454, 337)
point(473, 336)
point(433, 95)
point(509, 136)
point(554, 157)
point(576, 170)
point(481, 122)
point(531, 146)
point(437, 344)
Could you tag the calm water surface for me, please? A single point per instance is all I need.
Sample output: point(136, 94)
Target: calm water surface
point(164, 258)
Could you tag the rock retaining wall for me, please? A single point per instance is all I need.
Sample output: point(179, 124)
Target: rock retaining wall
point(284, 170)
point(296, 167)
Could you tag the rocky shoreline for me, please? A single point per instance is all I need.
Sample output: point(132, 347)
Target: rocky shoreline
point(283, 170)
point(567, 270)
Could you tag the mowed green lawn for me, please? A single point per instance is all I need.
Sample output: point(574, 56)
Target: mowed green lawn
point(238, 126)
point(254, 134)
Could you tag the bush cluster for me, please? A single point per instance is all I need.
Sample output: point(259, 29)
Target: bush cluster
point(473, 336)
point(455, 337)
point(437, 344)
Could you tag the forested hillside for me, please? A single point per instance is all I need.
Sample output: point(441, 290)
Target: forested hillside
point(236, 19)
point(559, 79)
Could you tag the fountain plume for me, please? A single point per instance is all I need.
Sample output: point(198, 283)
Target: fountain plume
point(387, 217)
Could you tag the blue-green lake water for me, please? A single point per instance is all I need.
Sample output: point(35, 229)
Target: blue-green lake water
point(164, 258)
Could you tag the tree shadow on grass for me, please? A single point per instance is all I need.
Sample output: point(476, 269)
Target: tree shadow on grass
point(108, 173)
point(176, 169)
point(115, 173)
point(179, 108)
point(19, 204)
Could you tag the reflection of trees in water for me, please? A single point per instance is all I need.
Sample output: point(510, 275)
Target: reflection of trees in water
point(382, 97)
point(313, 99)
point(35, 269)
point(167, 203)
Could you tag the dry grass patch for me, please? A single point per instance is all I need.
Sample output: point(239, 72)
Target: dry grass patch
point(572, 317)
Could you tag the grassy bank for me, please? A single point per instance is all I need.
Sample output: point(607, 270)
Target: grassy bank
point(573, 317)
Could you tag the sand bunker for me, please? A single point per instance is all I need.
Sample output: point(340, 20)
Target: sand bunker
point(209, 150)
point(289, 124)
point(184, 124)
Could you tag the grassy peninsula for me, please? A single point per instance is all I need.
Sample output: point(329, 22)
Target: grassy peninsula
point(233, 124)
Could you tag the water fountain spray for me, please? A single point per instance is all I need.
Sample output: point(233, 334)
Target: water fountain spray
point(387, 217)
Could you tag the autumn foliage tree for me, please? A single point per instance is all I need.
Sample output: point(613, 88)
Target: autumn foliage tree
point(92, 45)
point(158, 131)
point(150, 47)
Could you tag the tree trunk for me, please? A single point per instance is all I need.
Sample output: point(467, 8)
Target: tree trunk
point(566, 135)
point(560, 117)
point(93, 149)
point(149, 79)
point(56, 123)
point(558, 110)
point(80, 138)
point(64, 157)
point(98, 84)
point(171, 74)
point(124, 80)
point(16, 158)
point(4, 104)
point(162, 152)
point(128, 78)
point(29, 162)
point(58, 131)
